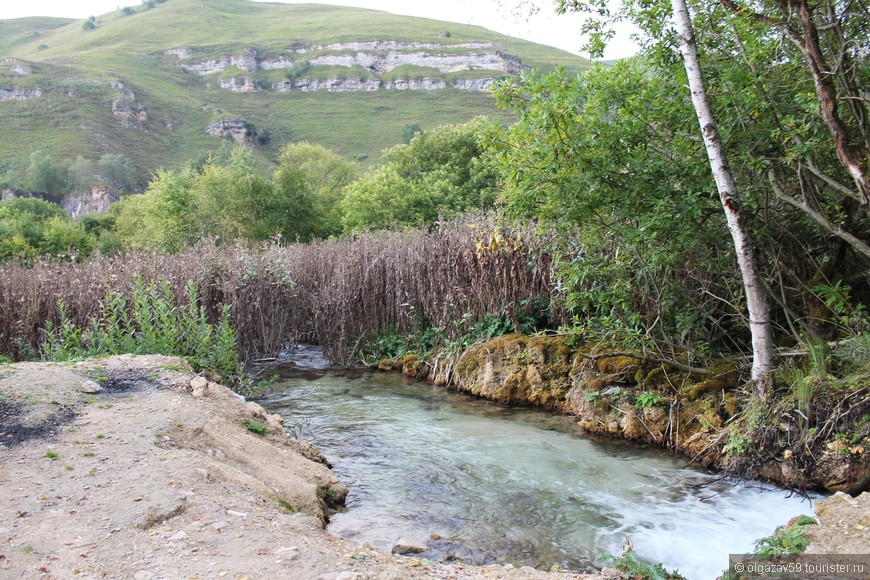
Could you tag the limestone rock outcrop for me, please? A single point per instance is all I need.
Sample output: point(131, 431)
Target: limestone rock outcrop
point(131, 112)
point(96, 202)
point(10, 94)
point(377, 57)
point(238, 130)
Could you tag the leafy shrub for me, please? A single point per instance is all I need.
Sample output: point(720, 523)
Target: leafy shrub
point(149, 323)
point(647, 399)
point(635, 568)
point(786, 540)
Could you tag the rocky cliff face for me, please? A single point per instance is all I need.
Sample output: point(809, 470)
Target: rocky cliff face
point(131, 112)
point(10, 94)
point(238, 130)
point(357, 84)
point(95, 202)
point(378, 57)
point(242, 85)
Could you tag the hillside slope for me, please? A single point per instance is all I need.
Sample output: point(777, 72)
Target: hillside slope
point(164, 85)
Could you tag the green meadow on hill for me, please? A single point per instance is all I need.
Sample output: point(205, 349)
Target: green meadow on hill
point(126, 82)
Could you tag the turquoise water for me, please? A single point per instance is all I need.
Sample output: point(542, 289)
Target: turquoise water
point(485, 484)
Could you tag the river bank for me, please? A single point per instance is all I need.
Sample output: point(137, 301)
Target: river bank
point(636, 398)
point(157, 476)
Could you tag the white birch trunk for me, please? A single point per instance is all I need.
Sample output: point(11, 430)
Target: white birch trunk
point(759, 311)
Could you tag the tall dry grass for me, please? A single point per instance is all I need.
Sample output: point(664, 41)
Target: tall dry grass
point(333, 293)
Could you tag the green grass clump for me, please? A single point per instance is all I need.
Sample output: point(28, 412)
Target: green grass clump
point(285, 505)
point(786, 540)
point(635, 568)
point(51, 455)
point(255, 426)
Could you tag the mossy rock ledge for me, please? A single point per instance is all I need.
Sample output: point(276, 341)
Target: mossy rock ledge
point(622, 397)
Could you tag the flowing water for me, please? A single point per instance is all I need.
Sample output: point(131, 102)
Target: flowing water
point(486, 484)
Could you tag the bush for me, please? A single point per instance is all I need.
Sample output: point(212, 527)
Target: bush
point(149, 323)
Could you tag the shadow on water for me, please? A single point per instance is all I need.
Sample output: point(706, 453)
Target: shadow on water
point(483, 484)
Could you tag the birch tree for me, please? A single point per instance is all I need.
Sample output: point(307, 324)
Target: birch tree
point(756, 300)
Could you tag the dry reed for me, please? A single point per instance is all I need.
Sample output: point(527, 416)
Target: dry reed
point(332, 293)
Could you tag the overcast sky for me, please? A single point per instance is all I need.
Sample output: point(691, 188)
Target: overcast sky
point(510, 17)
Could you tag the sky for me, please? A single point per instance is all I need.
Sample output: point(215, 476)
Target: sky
point(511, 17)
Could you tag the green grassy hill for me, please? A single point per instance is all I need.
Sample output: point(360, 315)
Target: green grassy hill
point(147, 84)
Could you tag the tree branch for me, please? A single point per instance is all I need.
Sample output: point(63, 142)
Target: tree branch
point(857, 244)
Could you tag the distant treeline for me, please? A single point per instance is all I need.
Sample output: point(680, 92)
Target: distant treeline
point(46, 178)
point(311, 193)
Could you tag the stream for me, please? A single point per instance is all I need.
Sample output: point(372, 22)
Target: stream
point(484, 484)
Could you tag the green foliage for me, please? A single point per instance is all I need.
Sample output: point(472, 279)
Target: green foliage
point(255, 426)
point(738, 444)
point(118, 171)
point(596, 156)
point(51, 455)
point(443, 172)
point(163, 217)
point(409, 131)
point(88, 25)
point(455, 337)
point(308, 185)
point(232, 201)
point(149, 322)
point(647, 400)
point(32, 227)
point(45, 177)
point(81, 174)
point(634, 569)
point(786, 540)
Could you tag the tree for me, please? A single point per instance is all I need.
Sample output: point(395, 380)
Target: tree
point(66, 240)
point(46, 178)
point(81, 174)
point(443, 172)
point(164, 216)
point(785, 81)
point(409, 131)
point(382, 199)
point(803, 25)
point(32, 227)
point(118, 172)
point(309, 182)
point(609, 161)
point(756, 301)
point(234, 201)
